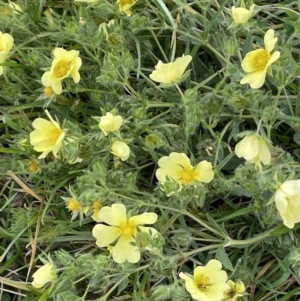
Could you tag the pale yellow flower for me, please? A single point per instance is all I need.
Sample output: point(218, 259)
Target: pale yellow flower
point(110, 123)
point(242, 15)
point(96, 211)
point(287, 200)
point(125, 6)
point(47, 136)
point(65, 64)
point(6, 43)
point(34, 166)
point(254, 149)
point(235, 291)
point(258, 62)
point(122, 230)
point(170, 72)
point(43, 275)
point(16, 7)
point(73, 205)
point(208, 282)
point(49, 92)
point(121, 150)
point(178, 167)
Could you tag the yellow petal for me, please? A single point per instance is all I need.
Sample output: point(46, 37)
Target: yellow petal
point(274, 57)
point(145, 218)
point(216, 290)
point(189, 283)
point(56, 86)
point(204, 171)
point(121, 150)
point(291, 187)
point(105, 235)
point(264, 152)
point(255, 79)
point(247, 148)
point(169, 168)
point(161, 175)
point(240, 15)
point(114, 215)
point(270, 40)
point(170, 72)
point(240, 287)
point(181, 63)
point(249, 62)
point(124, 250)
point(43, 275)
point(181, 159)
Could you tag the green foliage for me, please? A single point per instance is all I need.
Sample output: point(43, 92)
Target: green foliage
point(233, 218)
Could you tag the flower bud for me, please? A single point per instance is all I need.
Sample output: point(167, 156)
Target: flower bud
point(43, 275)
point(110, 123)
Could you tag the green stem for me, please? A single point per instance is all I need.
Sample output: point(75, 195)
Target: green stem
point(206, 44)
point(258, 126)
point(297, 108)
point(179, 90)
point(114, 287)
point(277, 97)
point(202, 223)
point(249, 241)
point(219, 141)
point(158, 45)
point(189, 254)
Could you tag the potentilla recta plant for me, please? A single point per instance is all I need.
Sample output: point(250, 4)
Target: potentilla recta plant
point(149, 150)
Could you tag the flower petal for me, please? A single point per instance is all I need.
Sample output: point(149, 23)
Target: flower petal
point(248, 148)
point(217, 290)
point(295, 200)
point(264, 152)
point(56, 86)
point(280, 201)
point(189, 283)
point(105, 235)
point(274, 57)
point(249, 62)
point(291, 187)
point(255, 79)
point(114, 215)
point(47, 79)
point(43, 275)
point(145, 218)
point(270, 40)
point(170, 168)
point(180, 159)
point(124, 250)
point(204, 171)
point(161, 175)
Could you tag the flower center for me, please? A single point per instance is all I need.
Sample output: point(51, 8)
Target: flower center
point(61, 69)
point(33, 166)
point(128, 231)
point(73, 205)
point(261, 59)
point(48, 91)
point(54, 135)
point(125, 2)
point(97, 205)
point(187, 176)
point(202, 283)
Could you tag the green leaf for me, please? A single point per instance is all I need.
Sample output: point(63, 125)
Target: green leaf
point(222, 256)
